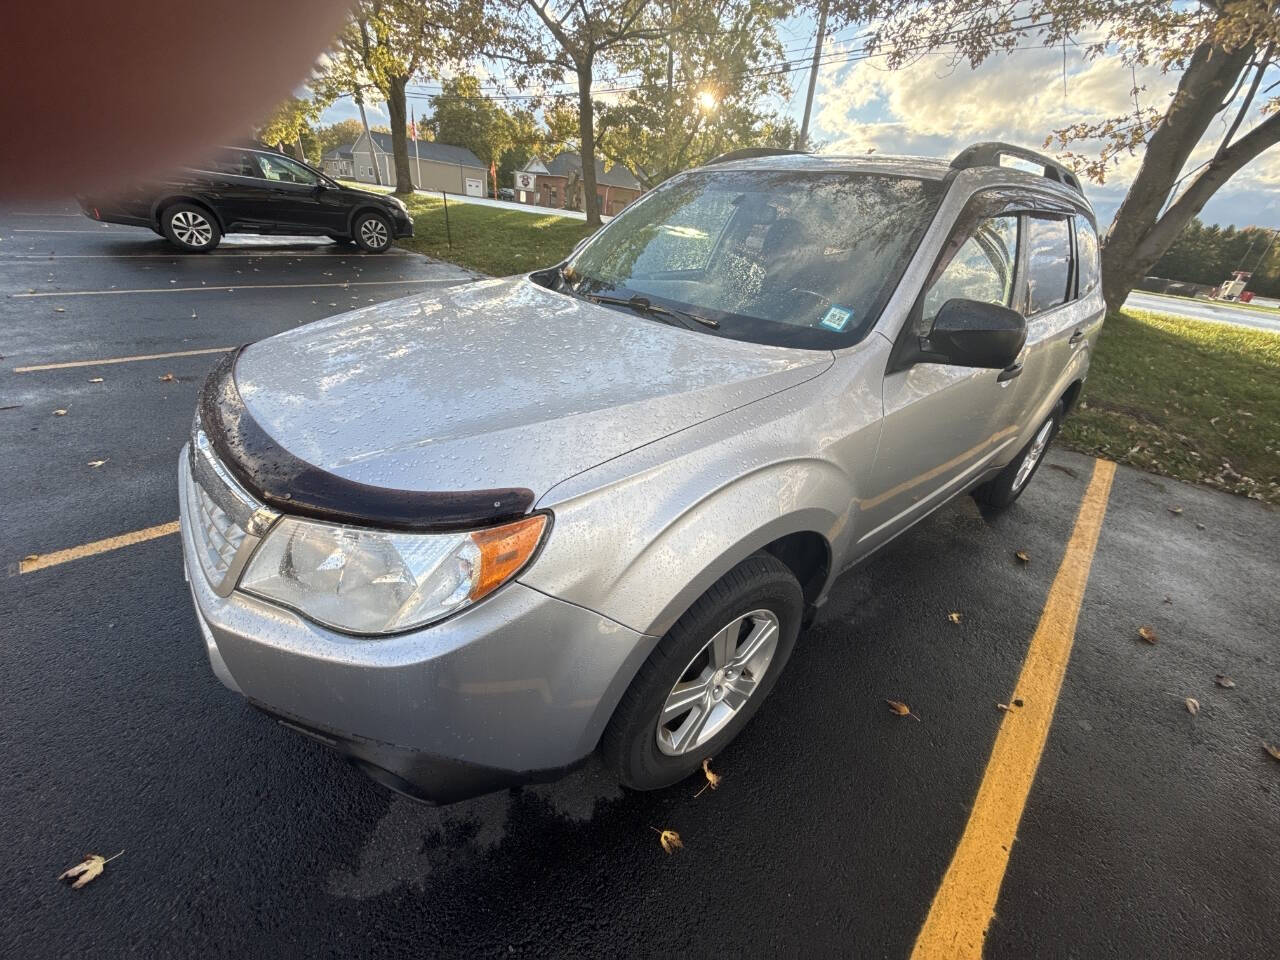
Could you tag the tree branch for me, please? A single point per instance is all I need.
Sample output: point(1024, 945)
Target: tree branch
point(1248, 100)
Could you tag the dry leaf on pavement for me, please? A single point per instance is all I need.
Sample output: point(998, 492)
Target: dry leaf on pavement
point(1193, 706)
point(1274, 751)
point(87, 870)
point(669, 839)
point(955, 616)
point(1002, 706)
point(59, 413)
point(96, 380)
point(1224, 681)
point(713, 778)
point(1148, 634)
point(1023, 556)
point(1175, 510)
point(901, 709)
point(167, 378)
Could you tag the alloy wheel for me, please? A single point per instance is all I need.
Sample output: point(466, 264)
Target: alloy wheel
point(1034, 454)
point(374, 233)
point(191, 228)
point(718, 682)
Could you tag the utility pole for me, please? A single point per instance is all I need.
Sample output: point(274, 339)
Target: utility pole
point(813, 74)
point(377, 177)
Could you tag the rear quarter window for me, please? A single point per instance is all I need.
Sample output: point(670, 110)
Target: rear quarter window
point(1087, 253)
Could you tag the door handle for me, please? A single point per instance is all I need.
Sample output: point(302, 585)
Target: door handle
point(1075, 338)
point(1008, 373)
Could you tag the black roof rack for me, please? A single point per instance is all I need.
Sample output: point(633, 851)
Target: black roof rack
point(988, 154)
point(750, 153)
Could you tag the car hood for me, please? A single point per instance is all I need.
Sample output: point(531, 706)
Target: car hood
point(495, 384)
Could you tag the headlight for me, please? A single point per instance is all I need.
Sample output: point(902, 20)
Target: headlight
point(374, 581)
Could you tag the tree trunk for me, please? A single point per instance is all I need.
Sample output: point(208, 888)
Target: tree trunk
point(587, 132)
point(398, 110)
point(1204, 85)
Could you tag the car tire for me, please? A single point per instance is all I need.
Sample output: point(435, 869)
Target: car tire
point(1005, 487)
point(750, 617)
point(371, 232)
point(190, 228)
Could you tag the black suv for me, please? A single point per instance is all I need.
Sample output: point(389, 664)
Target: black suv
point(247, 190)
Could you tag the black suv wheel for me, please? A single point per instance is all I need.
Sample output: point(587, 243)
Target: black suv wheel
point(190, 228)
point(371, 232)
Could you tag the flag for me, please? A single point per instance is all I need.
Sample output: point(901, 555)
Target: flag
point(493, 172)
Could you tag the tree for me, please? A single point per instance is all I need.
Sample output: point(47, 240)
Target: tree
point(699, 91)
point(288, 122)
point(387, 43)
point(576, 39)
point(461, 115)
point(334, 135)
point(1220, 50)
point(1208, 255)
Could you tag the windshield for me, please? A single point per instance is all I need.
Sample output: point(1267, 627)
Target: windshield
point(782, 257)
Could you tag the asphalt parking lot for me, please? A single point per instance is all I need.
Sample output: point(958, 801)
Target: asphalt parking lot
point(839, 829)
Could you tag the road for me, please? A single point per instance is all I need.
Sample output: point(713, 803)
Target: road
point(1147, 831)
point(1204, 310)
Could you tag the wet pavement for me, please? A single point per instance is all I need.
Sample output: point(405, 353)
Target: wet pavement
point(1148, 831)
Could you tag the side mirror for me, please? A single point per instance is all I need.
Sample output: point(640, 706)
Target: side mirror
point(970, 333)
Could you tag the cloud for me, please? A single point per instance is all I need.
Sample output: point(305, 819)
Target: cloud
point(934, 108)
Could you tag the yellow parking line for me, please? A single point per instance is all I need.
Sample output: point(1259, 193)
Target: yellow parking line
point(965, 903)
point(105, 360)
point(40, 561)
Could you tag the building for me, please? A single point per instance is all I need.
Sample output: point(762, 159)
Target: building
point(434, 166)
point(558, 183)
point(339, 163)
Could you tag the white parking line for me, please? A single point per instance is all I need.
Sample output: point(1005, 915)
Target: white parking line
point(247, 253)
point(239, 286)
point(102, 361)
point(33, 230)
point(23, 213)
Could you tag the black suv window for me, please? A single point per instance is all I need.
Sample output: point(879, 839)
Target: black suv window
point(1048, 263)
point(234, 162)
point(284, 170)
point(1087, 255)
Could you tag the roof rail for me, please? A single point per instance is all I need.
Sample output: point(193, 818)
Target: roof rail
point(989, 152)
point(750, 153)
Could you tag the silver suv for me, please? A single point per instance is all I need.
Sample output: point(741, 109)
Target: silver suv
point(469, 539)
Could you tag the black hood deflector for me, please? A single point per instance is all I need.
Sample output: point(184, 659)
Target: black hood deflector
point(290, 484)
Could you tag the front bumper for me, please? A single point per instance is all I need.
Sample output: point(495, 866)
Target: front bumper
point(516, 688)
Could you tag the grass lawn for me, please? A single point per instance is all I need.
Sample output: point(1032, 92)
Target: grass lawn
point(1193, 400)
point(1185, 398)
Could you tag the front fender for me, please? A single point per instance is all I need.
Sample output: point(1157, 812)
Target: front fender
point(650, 563)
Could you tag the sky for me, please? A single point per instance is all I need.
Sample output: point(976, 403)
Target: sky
point(933, 108)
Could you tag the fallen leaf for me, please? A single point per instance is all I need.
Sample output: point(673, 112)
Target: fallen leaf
point(1018, 702)
point(1274, 751)
point(96, 380)
point(1023, 556)
point(669, 839)
point(1224, 681)
point(1168, 599)
point(59, 413)
point(1148, 634)
point(713, 778)
point(167, 378)
point(954, 616)
point(90, 868)
point(1002, 706)
point(59, 310)
point(1193, 706)
point(1175, 510)
point(97, 463)
point(901, 709)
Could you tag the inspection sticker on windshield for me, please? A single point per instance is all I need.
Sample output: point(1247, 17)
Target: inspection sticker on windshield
point(837, 318)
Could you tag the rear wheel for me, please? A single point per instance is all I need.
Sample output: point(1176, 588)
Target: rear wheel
point(190, 228)
point(371, 232)
point(1006, 486)
point(707, 676)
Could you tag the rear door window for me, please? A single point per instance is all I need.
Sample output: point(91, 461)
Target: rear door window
point(1048, 263)
point(234, 162)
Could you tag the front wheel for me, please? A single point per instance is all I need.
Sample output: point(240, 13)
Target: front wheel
point(1005, 487)
point(190, 228)
point(707, 677)
point(371, 232)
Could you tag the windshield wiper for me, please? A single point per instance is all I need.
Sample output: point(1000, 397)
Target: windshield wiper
point(643, 305)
